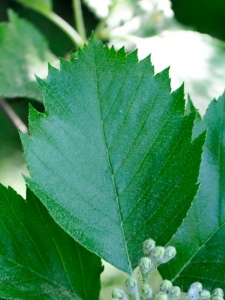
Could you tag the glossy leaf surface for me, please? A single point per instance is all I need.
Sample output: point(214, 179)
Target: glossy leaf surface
point(112, 157)
point(200, 241)
point(23, 53)
point(38, 259)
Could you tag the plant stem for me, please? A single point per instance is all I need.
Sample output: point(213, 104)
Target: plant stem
point(99, 28)
point(108, 34)
point(78, 16)
point(12, 116)
point(136, 296)
point(69, 30)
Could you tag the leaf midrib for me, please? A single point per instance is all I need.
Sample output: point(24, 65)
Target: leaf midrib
point(110, 167)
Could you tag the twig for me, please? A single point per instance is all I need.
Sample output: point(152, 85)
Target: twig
point(12, 116)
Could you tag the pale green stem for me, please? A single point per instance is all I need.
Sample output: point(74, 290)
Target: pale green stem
point(12, 116)
point(69, 30)
point(78, 16)
point(99, 28)
point(106, 34)
point(136, 296)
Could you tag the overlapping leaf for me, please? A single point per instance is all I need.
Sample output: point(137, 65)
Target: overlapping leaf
point(200, 241)
point(23, 53)
point(38, 260)
point(112, 157)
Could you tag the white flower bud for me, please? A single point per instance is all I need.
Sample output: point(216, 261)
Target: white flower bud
point(165, 286)
point(194, 291)
point(170, 252)
point(174, 293)
point(205, 295)
point(197, 285)
point(157, 254)
point(131, 286)
point(148, 246)
point(146, 291)
point(161, 296)
point(118, 294)
point(218, 292)
point(144, 265)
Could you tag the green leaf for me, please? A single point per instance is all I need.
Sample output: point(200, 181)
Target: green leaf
point(200, 241)
point(39, 5)
point(38, 259)
point(23, 53)
point(112, 157)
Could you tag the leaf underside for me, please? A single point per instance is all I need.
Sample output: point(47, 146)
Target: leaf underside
point(38, 259)
point(200, 241)
point(24, 52)
point(112, 157)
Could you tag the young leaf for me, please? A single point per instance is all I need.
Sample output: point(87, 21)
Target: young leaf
point(112, 157)
point(200, 241)
point(23, 52)
point(38, 259)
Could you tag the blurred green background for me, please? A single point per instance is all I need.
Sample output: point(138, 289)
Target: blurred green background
point(187, 35)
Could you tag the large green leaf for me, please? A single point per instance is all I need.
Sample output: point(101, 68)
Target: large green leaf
point(23, 53)
point(38, 259)
point(112, 157)
point(200, 241)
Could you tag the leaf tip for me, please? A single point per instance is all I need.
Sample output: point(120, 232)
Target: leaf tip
point(73, 57)
point(52, 70)
point(133, 56)
point(39, 80)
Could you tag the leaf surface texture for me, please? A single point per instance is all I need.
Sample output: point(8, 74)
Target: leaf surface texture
point(112, 157)
point(38, 259)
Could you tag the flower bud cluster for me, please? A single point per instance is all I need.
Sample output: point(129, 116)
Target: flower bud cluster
point(196, 292)
point(167, 291)
point(153, 257)
point(157, 254)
